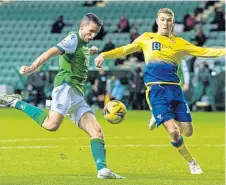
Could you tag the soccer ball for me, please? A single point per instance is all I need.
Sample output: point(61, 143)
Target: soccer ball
point(114, 111)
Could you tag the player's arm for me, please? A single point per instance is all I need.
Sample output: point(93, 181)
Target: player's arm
point(117, 53)
point(68, 45)
point(120, 52)
point(26, 70)
point(203, 52)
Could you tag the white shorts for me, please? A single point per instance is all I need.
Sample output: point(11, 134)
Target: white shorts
point(67, 100)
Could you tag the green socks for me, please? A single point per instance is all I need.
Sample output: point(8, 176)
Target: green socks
point(97, 145)
point(99, 153)
point(34, 112)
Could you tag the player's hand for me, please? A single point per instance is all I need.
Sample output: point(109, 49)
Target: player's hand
point(185, 87)
point(26, 70)
point(93, 50)
point(99, 60)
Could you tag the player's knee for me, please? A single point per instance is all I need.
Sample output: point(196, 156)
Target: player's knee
point(188, 130)
point(52, 126)
point(53, 121)
point(175, 134)
point(188, 133)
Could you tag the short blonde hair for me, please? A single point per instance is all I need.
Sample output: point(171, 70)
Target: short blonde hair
point(166, 11)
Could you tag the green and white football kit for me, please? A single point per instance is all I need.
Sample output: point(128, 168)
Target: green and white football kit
point(67, 95)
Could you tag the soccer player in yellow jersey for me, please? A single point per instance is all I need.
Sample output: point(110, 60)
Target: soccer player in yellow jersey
point(163, 51)
point(184, 77)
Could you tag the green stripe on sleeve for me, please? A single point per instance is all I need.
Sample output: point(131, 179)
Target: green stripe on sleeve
point(61, 49)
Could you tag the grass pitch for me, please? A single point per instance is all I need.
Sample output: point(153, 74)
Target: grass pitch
point(32, 156)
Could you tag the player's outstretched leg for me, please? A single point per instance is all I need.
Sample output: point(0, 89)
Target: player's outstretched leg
point(14, 100)
point(9, 100)
point(178, 142)
point(152, 123)
point(50, 122)
point(89, 124)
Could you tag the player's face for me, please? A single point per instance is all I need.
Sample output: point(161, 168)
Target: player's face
point(88, 31)
point(165, 24)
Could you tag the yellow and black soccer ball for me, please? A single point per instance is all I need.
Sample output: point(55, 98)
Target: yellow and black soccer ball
point(114, 111)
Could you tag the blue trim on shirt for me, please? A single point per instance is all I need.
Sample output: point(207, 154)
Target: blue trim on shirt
point(160, 71)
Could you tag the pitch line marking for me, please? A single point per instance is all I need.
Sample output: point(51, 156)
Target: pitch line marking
point(84, 138)
point(107, 146)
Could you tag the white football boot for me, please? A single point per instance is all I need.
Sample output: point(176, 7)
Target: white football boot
point(194, 167)
point(10, 100)
point(106, 173)
point(152, 123)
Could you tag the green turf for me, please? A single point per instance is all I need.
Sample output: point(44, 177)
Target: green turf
point(30, 155)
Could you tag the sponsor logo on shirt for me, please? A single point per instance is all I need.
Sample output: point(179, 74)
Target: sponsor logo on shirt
point(159, 46)
point(156, 46)
point(166, 47)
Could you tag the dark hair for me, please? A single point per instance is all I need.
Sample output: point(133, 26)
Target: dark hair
point(92, 17)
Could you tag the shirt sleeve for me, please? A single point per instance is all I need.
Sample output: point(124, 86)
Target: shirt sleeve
point(69, 44)
point(125, 50)
point(122, 51)
point(203, 52)
point(185, 71)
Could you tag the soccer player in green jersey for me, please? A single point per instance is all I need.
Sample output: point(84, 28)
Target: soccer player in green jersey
point(68, 92)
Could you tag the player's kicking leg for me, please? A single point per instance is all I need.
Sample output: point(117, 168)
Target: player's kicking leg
point(15, 101)
point(50, 122)
point(9, 100)
point(152, 123)
point(89, 124)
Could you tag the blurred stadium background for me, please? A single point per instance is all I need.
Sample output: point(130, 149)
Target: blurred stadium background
point(30, 155)
point(25, 28)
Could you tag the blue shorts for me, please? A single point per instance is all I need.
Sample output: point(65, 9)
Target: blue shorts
point(168, 102)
